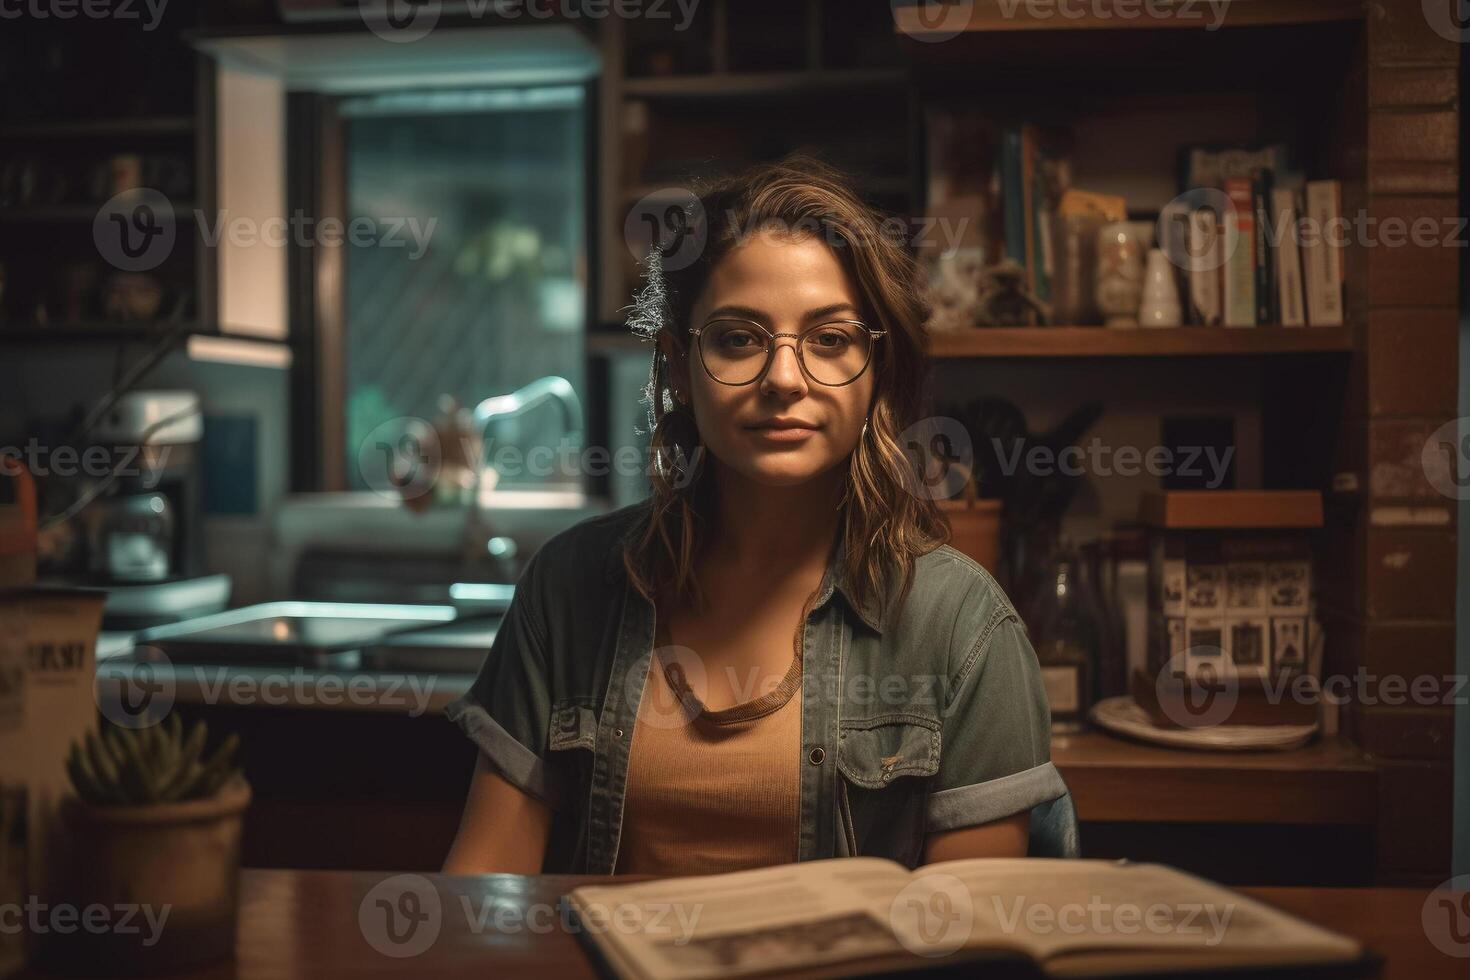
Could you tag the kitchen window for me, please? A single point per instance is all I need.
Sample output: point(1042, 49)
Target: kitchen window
point(464, 272)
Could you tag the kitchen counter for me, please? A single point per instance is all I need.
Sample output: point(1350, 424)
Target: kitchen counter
point(342, 685)
point(412, 693)
point(318, 924)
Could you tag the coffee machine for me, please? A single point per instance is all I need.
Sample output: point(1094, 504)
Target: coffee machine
point(146, 526)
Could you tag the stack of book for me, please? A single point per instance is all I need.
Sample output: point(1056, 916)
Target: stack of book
point(1264, 245)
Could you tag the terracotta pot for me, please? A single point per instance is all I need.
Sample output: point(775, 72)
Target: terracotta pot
point(975, 529)
point(182, 857)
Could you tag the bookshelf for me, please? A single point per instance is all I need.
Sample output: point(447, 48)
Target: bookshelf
point(1366, 95)
point(732, 89)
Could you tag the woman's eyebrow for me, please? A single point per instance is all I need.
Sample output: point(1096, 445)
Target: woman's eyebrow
point(750, 313)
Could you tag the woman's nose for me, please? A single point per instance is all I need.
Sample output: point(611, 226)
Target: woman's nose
point(784, 375)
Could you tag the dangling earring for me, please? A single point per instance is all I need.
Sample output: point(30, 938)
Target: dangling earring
point(675, 446)
point(864, 434)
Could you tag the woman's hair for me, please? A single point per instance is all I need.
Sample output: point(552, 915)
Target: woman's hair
point(888, 518)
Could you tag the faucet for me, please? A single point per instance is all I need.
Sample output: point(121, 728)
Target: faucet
point(478, 541)
point(498, 407)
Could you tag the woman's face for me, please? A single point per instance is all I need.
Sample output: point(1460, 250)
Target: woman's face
point(787, 285)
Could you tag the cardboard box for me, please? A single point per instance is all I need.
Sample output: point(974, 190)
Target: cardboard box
point(57, 632)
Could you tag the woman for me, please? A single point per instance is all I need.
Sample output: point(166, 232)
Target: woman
point(775, 657)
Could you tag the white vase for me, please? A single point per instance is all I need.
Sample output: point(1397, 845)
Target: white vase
point(1160, 306)
point(1119, 274)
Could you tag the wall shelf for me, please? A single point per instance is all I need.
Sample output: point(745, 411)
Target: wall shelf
point(1057, 342)
point(995, 16)
point(78, 212)
point(200, 342)
point(84, 128)
point(743, 85)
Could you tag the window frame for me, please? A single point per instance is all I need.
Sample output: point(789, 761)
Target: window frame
point(316, 184)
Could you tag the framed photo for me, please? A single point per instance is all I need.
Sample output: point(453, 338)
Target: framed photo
point(1245, 588)
point(1205, 591)
point(1250, 645)
point(1289, 587)
point(1289, 643)
point(1207, 645)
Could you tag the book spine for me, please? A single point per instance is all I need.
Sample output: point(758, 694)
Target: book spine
point(1239, 271)
point(1323, 255)
point(1028, 203)
point(1041, 251)
point(1286, 246)
point(1010, 192)
point(1264, 273)
point(1205, 243)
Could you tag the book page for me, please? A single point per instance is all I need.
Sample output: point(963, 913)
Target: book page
point(772, 919)
point(1058, 908)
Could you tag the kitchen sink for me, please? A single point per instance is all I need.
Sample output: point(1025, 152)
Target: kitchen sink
point(451, 648)
point(315, 634)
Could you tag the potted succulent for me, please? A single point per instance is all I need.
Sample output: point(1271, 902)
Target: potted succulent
point(153, 833)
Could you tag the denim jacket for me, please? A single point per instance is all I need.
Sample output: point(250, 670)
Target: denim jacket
point(931, 719)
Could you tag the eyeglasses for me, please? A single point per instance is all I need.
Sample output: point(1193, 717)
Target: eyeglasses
point(736, 352)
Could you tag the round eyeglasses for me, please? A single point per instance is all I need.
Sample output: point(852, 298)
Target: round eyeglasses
point(737, 352)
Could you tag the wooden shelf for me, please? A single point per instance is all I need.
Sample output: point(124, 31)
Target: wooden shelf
point(1082, 342)
point(1267, 47)
point(122, 126)
point(742, 85)
point(1114, 15)
point(77, 212)
point(1327, 782)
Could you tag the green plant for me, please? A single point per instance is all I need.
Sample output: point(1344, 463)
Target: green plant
point(157, 764)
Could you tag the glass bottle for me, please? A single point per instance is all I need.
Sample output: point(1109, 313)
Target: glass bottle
point(1068, 641)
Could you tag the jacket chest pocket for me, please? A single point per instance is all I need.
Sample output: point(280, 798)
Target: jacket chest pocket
point(573, 726)
point(885, 763)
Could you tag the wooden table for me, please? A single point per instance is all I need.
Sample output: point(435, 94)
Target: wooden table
point(306, 924)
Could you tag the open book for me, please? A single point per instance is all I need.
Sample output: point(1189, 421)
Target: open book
point(847, 916)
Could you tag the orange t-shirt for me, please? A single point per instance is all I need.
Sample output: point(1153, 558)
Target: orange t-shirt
point(711, 791)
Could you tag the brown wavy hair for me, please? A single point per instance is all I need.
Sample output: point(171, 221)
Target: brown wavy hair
point(887, 521)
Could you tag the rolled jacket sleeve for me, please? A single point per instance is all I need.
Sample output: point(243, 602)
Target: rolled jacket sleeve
point(507, 710)
point(996, 755)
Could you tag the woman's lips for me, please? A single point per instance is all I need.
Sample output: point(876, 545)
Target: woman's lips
point(783, 433)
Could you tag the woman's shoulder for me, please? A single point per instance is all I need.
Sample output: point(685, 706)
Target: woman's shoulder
point(955, 607)
point(588, 554)
point(957, 582)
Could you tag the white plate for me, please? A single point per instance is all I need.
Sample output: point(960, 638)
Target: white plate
point(1123, 716)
